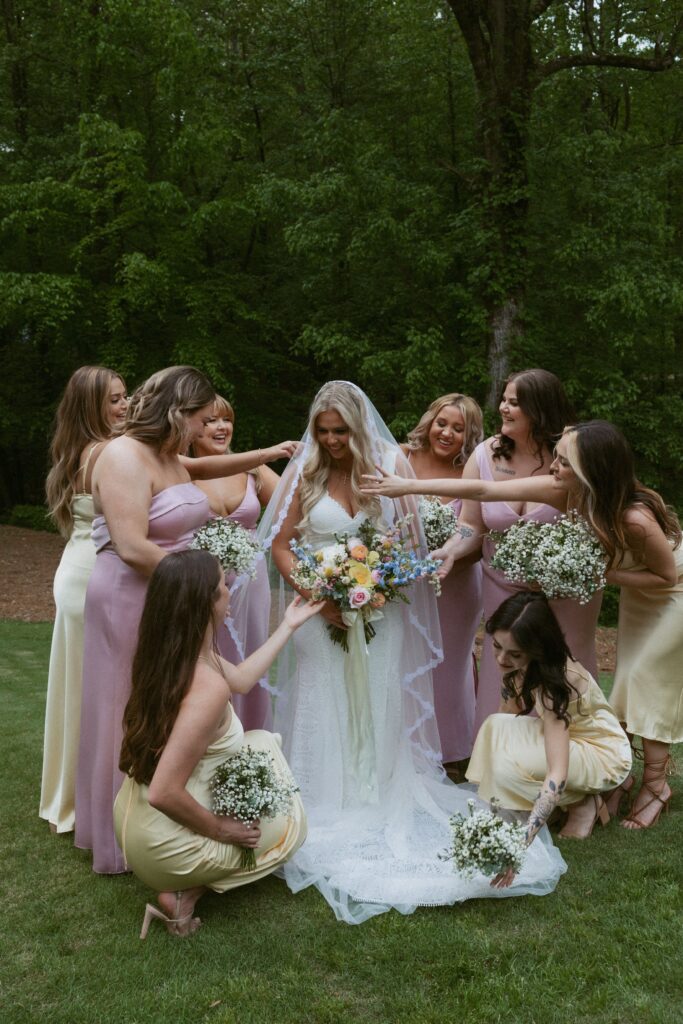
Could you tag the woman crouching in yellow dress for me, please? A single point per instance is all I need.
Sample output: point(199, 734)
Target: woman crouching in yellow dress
point(567, 756)
point(178, 727)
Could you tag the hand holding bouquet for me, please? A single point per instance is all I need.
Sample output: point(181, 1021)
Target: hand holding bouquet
point(564, 558)
point(248, 787)
point(233, 546)
point(362, 572)
point(483, 843)
point(438, 522)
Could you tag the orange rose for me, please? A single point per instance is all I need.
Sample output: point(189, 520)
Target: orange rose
point(378, 600)
point(359, 552)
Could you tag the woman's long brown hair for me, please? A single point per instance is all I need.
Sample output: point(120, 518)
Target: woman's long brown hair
point(541, 396)
point(602, 459)
point(178, 610)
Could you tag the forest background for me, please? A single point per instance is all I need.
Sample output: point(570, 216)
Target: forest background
point(418, 196)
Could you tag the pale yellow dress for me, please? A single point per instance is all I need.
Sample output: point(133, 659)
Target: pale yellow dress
point(64, 681)
point(168, 856)
point(509, 762)
point(648, 683)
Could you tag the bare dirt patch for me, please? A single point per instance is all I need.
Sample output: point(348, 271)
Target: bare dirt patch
point(29, 559)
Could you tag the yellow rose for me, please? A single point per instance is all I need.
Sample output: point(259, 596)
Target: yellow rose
point(373, 558)
point(359, 573)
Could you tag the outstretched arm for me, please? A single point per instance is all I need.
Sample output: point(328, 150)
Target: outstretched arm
point(556, 739)
point(540, 489)
point(208, 467)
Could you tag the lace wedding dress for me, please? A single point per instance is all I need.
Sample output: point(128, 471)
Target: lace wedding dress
point(373, 843)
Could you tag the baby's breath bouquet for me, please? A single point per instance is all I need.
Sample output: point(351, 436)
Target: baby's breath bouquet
point(483, 843)
point(564, 558)
point(248, 787)
point(233, 546)
point(438, 522)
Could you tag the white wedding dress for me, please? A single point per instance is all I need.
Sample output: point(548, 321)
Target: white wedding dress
point(374, 847)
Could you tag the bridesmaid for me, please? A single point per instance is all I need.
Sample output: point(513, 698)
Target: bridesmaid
point(92, 406)
point(593, 472)
point(149, 506)
point(240, 497)
point(179, 726)
point(439, 446)
point(534, 411)
point(571, 751)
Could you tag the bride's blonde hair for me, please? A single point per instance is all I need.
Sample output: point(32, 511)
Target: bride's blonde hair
point(343, 398)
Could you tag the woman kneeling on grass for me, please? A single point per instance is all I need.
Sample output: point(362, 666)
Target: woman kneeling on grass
point(574, 750)
point(179, 726)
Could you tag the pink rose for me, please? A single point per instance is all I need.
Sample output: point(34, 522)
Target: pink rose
point(358, 596)
point(376, 576)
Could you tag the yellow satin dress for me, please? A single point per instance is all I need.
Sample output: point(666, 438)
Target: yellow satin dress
point(168, 856)
point(648, 683)
point(64, 681)
point(509, 762)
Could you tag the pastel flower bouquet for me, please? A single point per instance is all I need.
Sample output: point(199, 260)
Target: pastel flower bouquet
point(362, 571)
point(233, 546)
point(483, 843)
point(249, 787)
point(564, 558)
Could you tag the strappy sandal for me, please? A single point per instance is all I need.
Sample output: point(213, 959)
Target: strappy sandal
point(617, 797)
point(652, 769)
point(178, 926)
point(601, 814)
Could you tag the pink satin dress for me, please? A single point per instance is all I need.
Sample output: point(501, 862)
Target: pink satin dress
point(578, 622)
point(113, 608)
point(248, 630)
point(460, 609)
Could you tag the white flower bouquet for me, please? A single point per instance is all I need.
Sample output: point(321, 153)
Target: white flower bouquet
point(483, 843)
point(362, 572)
point(564, 558)
point(248, 787)
point(233, 546)
point(438, 521)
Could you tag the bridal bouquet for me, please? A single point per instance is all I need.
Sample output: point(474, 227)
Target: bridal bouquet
point(233, 546)
point(564, 558)
point(362, 571)
point(482, 843)
point(248, 786)
point(438, 522)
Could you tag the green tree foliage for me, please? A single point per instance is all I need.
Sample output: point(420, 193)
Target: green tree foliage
point(283, 192)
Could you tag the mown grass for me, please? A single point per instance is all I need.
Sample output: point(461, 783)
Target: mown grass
point(604, 948)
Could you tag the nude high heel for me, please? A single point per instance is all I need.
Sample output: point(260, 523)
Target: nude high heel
point(601, 814)
point(179, 926)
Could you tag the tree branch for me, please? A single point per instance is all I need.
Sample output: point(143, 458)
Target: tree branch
point(539, 7)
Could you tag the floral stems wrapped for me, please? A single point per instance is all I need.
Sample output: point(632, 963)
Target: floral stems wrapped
point(232, 545)
point(564, 558)
point(249, 787)
point(362, 572)
point(483, 843)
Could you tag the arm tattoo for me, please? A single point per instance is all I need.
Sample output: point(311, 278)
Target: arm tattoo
point(546, 802)
point(465, 531)
point(507, 691)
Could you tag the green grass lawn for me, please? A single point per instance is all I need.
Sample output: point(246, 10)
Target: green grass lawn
point(604, 948)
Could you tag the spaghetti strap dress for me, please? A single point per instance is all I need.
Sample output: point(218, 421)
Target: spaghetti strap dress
point(648, 683)
point(241, 636)
point(168, 856)
point(577, 621)
point(460, 610)
point(509, 763)
point(113, 608)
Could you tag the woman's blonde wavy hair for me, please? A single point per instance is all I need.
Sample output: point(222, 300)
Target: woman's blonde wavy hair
point(343, 398)
point(81, 419)
point(418, 438)
point(157, 410)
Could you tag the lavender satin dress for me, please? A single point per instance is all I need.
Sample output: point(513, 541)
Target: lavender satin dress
point(113, 608)
point(460, 608)
point(248, 630)
point(578, 622)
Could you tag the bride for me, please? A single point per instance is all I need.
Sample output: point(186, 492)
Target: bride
point(362, 740)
